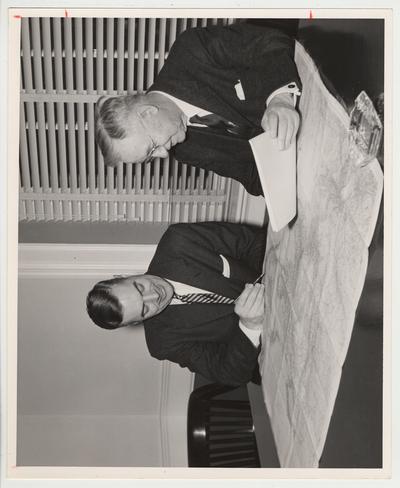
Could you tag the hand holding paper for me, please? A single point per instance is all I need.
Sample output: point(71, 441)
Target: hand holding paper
point(281, 120)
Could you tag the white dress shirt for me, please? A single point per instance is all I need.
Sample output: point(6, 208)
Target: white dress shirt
point(188, 109)
point(289, 88)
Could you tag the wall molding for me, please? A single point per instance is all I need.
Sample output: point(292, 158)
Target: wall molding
point(88, 260)
point(176, 385)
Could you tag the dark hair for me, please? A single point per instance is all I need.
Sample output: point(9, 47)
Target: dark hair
point(103, 306)
point(111, 115)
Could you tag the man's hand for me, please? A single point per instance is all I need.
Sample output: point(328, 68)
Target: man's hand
point(250, 306)
point(281, 120)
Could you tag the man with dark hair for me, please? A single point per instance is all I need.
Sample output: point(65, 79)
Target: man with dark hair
point(197, 303)
point(219, 87)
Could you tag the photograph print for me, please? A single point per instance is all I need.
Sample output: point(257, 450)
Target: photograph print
point(200, 242)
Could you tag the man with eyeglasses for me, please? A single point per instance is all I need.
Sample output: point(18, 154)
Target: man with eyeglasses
point(219, 87)
point(198, 301)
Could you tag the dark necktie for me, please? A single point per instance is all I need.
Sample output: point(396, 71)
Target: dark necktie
point(218, 122)
point(203, 298)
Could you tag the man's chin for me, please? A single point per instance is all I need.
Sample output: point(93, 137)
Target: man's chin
point(163, 305)
point(168, 293)
point(168, 298)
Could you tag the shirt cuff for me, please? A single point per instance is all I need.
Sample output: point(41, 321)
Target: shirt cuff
point(253, 335)
point(289, 88)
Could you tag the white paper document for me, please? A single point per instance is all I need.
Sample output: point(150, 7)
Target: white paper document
point(277, 172)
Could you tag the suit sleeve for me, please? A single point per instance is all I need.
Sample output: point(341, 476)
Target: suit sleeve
point(243, 245)
point(230, 363)
point(261, 56)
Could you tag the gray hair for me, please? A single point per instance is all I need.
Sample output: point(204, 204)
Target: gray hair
point(111, 114)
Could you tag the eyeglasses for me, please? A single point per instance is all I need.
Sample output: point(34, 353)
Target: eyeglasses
point(149, 158)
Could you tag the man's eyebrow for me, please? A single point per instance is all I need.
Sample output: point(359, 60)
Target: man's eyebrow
point(142, 312)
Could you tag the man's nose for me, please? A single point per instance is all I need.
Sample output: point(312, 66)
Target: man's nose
point(161, 152)
point(150, 296)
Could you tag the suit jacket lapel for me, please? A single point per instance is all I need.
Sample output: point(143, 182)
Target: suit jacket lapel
point(209, 100)
point(216, 283)
point(209, 279)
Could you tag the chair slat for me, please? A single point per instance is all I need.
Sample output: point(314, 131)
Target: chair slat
point(232, 440)
point(239, 456)
point(239, 405)
point(230, 413)
point(218, 423)
point(248, 447)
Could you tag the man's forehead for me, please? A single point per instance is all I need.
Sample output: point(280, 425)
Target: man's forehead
point(124, 280)
point(128, 281)
point(129, 297)
point(121, 288)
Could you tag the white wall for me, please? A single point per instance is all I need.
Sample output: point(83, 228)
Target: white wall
point(89, 440)
point(89, 396)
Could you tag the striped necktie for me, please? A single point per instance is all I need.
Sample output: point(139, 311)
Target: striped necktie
point(218, 122)
point(204, 298)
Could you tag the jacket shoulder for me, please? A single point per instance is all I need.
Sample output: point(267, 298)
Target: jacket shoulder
point(154, 338)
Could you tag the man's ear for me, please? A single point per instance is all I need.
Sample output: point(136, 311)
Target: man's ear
point(160, 152)
point(134, 323)
point(147, 111)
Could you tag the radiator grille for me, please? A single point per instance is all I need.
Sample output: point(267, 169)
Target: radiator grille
point(66, 63)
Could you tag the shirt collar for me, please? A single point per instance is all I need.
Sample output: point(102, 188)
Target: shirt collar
point(188, 109)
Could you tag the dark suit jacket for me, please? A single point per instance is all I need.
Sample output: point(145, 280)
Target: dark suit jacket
point(203, 67)
point(206, 338)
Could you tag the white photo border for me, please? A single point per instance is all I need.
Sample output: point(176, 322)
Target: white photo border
point(9, 150)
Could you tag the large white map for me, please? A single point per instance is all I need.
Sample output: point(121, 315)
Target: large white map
point(315, 271)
